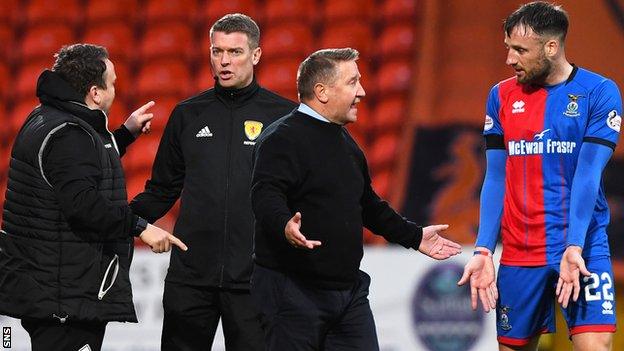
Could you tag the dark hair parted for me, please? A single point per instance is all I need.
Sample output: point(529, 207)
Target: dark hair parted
point(542, 17)
point(238, 22)
point(82, 66)
point(320, 67)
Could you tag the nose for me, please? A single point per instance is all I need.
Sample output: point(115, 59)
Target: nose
point(225, 59)
point(360, 92)
point(512, 58)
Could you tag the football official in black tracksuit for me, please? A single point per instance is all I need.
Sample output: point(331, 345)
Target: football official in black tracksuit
point(204, 157)
point(311, 195)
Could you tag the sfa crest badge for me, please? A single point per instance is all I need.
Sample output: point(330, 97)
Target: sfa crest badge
point(253, 129)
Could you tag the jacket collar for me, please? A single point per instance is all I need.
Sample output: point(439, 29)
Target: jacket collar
point(53, 90)
point(237, 96)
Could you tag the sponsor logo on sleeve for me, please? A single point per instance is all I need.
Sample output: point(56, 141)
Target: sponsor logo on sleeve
point(489, 123)
point(614, 120)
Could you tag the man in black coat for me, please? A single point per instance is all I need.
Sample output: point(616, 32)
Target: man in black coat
point(67, 234)
point(204, 157)
point(312, 195)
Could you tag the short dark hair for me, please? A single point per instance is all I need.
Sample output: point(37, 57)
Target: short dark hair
point(542, 17)
point(238, 22)
point(82, 66)
point(320, 66)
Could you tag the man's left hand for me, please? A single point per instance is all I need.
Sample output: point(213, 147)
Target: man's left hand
point(571, 265)
point(435, 246)
point(140, 120)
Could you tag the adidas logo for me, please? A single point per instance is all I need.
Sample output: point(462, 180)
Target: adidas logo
point(204, 133)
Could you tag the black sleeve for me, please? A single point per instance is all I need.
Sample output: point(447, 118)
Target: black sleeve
point(124, 138)
point(275, 172)
point(381, 219)
point(71, 166)
point(165, 186)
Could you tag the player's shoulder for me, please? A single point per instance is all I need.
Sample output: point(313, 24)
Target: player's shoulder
point(506, 86)
point(589, 80)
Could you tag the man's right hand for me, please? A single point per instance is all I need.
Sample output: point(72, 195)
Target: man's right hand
point(294, 235)
point(482, 275)
point(160, 240)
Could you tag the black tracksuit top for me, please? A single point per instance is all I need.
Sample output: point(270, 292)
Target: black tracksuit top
point(204, 157)
point(314, 167)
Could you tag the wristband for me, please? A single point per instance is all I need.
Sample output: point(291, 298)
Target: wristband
point(481, 252)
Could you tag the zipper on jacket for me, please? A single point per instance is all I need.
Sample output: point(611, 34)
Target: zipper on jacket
point(58, 281)
point(103, 291)
point(228, 151)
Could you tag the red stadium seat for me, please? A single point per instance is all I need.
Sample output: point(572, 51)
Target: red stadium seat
point(287, 39)
point(117, 114)
point(394, 76)
point(167, 10)
point(397, 40)
point(26, 78)
point(302, 11)
point(383, 151)
point(163, 77)
point(168, 40)
point(381, 181)
point(135, 178)
point(393, 10)
point(204, 80)
point(6, 41)
point(280, 76)
point(47, 11)
point(216, 9)
point(162, 111)
point(361, 10)
point(42, 41)
point(117, 37)
point(390, 113)
point(124, 87)
point(111, 10)
point(355, 34)
point(5, 79)
point(141, 157)
point(10, 11)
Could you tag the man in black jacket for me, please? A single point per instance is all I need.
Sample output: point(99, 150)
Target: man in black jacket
point(206, 150)
point(312, 194)
point(67, 233)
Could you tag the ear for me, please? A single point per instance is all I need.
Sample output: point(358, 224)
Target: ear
point(257, 52)
point(321, 92)
point(551, 47)
point(93, 94)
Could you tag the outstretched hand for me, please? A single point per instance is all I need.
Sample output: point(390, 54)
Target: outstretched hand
point(482, 275)
point(435, 246)
point(570, 268)
point(160, 240)
point(294, 235)
point(140, 121)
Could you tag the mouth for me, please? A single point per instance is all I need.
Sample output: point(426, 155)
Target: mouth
point(225, 75)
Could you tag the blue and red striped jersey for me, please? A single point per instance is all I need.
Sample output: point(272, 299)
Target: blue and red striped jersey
point(542, 129)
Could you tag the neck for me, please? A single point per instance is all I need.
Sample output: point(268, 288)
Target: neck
point(560, 73)
point(321, 109)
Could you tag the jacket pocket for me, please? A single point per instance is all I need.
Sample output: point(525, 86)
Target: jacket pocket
point(111, 271)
